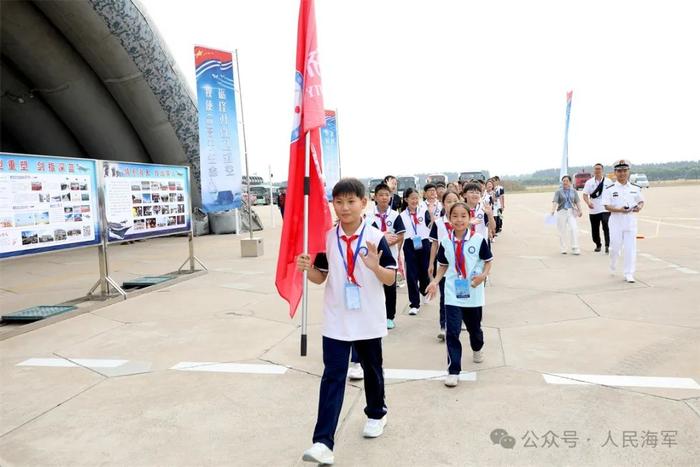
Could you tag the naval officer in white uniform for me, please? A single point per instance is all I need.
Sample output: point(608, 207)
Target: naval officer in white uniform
point(623, 199)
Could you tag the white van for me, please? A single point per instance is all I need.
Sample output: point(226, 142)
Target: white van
point(640, 180)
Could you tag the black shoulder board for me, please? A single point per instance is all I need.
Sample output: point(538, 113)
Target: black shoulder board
point(610, 186)
point(634, 184)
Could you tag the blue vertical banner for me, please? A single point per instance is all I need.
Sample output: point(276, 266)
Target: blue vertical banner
point(219, 150)
point(331, 152)
point(565, 154)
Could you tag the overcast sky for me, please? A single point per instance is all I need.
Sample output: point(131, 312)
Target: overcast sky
point(433, 86)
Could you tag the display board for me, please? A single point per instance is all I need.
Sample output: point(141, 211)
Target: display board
point(47, 203)
point(145, 200)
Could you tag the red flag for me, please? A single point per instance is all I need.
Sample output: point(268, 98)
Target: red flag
point(308, 117)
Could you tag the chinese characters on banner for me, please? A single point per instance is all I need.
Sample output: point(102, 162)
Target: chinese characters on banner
point(331, 152)
point(47, 203)
point(219, 151)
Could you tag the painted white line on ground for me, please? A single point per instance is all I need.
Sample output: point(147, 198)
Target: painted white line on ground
point(215, 367)
point(533, 257)
point(407, 374)
point(682, 226)
point(73, 363)
point(559, 380)
point(51, 362)
point(623, 381)
point(677, 267)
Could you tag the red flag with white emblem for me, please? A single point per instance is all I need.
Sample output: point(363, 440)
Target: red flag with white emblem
point(309, 117)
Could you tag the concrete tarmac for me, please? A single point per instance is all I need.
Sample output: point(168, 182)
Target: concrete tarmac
point(580, 367)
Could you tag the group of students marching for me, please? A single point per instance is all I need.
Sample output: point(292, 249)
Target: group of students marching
point(443, 238)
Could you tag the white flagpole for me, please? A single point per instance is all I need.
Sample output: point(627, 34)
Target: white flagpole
point(305, 293)
point(337, 142)
point(245, 149)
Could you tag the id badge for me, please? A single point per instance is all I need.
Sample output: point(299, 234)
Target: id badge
point(352, 296)
point(462, 288)
point(417, 242)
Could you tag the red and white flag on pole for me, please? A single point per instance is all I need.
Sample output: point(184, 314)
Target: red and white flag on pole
point(309, 116)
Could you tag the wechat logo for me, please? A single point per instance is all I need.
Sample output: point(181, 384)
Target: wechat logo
point(501, 436)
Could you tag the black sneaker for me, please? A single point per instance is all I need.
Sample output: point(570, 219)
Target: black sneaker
point(597, 249)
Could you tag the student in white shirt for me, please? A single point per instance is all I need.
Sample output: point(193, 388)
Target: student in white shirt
point(389, 222)
point(416, 248)
point(431, 202)
point(623, 200)
point(593, 197)
point(393, 184)
point(465, 262)
point(441, 228)
point(355, 265)
point(500, 194)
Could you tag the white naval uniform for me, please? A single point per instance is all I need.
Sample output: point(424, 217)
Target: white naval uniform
point(623, 225)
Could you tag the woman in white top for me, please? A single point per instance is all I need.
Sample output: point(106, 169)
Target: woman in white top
point(567, 206)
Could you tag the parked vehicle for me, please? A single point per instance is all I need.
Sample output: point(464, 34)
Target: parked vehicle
point(373, 182)
point(262, 194)
point(434, 178)
point(479, 175)
point(406, 182)
point(580, 179)
point(640, 180)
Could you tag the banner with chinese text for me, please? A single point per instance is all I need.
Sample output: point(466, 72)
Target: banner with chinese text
point(331, 152)
point(219, 150)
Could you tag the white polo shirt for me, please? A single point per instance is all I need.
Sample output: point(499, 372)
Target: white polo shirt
point(439, 230)
point(394, 224)
point(422, 229)
point(369, 322)
point(590, 187)
point(618, 196)
point(481, 228)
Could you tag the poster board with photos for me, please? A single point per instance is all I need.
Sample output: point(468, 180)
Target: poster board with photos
point(47, 203)
point(145, 200)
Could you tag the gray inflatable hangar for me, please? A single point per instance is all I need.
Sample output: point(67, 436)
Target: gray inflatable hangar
point(93, 78)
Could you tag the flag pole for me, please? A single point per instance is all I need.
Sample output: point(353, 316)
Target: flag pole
point(337, 139)
point(245, 150)
point(305, 292)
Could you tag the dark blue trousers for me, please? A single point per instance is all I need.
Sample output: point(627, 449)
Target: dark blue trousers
point(417, 278)
point(442, 296)
point(442, 303)
point(472, 318)
point(335, 360)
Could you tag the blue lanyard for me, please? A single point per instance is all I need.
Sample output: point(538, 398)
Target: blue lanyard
point(567, 196)
point(357, 249)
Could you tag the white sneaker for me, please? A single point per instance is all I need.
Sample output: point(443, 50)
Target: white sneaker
point(451, 381)
point(576, 251)
point(319, 453)
point(629, 278)
point(478, 356)
point(424, 299)
point(355, 372)
point(374, 428)
point(413, 311)
point(441, 335)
